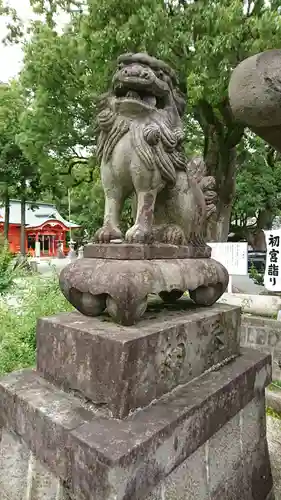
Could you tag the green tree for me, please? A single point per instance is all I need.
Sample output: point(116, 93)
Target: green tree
point(19, 175)
point(8, 169)
point(258, 199)
point(224, 33)
point(204, 40)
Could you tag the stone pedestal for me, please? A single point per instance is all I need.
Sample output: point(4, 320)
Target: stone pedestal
point(166, 410)
point(127, 368)
point(119, 278)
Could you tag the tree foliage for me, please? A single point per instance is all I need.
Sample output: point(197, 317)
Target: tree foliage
point(19, 175)
point(258, 199)
point(66, 69)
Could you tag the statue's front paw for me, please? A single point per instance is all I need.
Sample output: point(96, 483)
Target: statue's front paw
point(108, 233)
point(138, 234)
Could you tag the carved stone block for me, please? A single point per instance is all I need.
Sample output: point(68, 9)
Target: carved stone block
point(126, 368)
point(122, 286)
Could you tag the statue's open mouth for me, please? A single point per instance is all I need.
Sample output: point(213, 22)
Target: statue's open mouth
point(143, 96)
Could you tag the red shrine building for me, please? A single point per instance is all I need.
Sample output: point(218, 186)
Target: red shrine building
point(44, 225)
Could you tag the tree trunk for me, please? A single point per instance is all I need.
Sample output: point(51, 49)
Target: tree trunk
point(257, 238)
point(7, 215)
point(22, 227)
point(221, 163)
point(257, 241)
point(218, 228)
point(221, 138)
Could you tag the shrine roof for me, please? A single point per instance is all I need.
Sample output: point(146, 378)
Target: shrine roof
point(36, 214)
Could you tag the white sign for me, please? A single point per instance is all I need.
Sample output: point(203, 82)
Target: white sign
point(272, 276)
point(233, 256)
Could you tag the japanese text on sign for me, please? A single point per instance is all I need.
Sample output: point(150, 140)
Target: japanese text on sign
point(233, 256)
point(272, 278)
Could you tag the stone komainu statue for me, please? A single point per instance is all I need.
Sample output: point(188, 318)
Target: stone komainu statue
point(140, 147)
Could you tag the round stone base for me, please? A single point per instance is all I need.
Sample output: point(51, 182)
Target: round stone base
point(122, 286)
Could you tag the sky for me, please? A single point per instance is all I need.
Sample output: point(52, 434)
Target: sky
point(11, 57)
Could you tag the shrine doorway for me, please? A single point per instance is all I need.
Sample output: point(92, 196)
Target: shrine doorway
point(48, 244)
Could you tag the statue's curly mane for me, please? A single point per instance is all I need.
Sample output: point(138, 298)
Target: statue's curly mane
point(111, 129)
point(158, 144)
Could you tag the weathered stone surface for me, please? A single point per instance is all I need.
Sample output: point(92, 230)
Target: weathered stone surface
point(127, 368)
point(273, 398)
point(46, 432)
point(274, 444)
point(107, 459)
point(127, 251)
point(254, 92)
point(22, 476)
point(263, 334)
point(122, 287)
point(188, 481)
point(229, 466)
point(140, 147)
point(14, 456)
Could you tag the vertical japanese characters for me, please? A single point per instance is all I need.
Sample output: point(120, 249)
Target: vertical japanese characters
point(273, 268)
point(272, 279)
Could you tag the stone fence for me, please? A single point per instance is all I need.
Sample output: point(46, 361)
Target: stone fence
point(263, 334)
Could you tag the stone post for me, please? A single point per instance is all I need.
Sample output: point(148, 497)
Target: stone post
point(254, 93)
point(166, 409)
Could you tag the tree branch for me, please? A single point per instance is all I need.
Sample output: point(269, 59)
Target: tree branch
point(234, 135)
point(226, 112)
point(271, 157)
point(76, 155)
point(76, 161)
point(257, 8)
point(209, 117)
point(249, 8)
